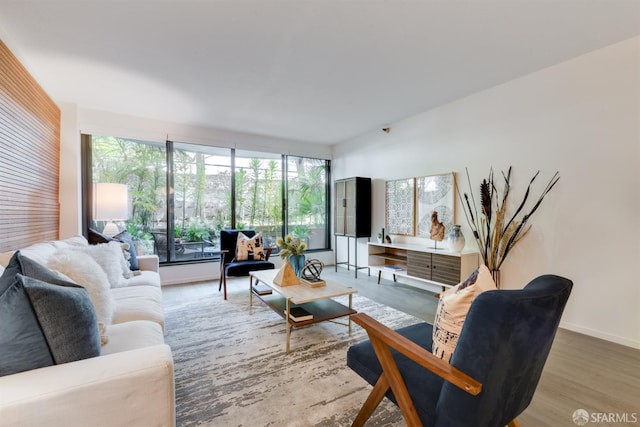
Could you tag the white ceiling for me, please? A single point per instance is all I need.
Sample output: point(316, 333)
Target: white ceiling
point(310, 70)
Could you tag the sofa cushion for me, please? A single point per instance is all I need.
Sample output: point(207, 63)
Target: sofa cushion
point(85, 271)
point(71, 242)
point(23, 345)
point(67, 318)
point(452, 310)
point(138, 303)
point(40, 252)
point(144, 278)
point(132, 335)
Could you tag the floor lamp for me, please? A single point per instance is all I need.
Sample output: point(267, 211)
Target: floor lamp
point(110, 202)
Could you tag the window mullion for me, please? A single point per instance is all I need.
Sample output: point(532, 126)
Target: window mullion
point(171, 241)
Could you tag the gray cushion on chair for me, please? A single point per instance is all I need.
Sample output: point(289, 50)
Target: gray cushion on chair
point(242, 268)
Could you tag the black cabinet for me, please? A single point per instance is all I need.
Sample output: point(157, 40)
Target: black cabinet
point(352, 206)
point(352, 214)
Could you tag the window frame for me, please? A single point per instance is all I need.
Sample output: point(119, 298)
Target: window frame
point(87, 192)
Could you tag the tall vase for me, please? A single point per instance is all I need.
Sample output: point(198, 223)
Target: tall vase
point(455, 239)
point(297, 262)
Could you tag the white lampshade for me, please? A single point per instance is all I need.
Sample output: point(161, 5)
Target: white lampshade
point(110, 202)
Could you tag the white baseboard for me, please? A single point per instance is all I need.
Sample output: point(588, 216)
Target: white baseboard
point(191, 279)
point(189, 273)
point(599, 334)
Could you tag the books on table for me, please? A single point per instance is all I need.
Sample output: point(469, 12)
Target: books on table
point(299, 314)
point(392, 268)
point(313, 282)
point(262, 289)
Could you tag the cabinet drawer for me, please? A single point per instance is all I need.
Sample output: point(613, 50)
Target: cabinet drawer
point(445, 269)
point(419, 264)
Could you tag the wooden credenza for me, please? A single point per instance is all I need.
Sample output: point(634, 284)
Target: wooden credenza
point(421, 263)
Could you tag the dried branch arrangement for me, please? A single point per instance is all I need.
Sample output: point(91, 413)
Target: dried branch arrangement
point(497, 232)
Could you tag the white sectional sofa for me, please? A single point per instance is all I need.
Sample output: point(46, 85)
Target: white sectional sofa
point(130, 383)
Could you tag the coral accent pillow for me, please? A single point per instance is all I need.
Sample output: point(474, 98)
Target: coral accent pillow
point(249, 248)
point(452, 311)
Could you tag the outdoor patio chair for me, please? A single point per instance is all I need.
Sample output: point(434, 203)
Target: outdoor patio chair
point(493, 372)
point(232, 267)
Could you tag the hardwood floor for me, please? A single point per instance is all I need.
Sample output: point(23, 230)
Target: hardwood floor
point(581, 372)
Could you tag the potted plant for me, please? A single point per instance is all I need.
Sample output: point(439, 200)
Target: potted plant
point(292, 249)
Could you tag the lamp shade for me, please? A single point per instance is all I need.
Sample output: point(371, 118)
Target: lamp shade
point(110, 201)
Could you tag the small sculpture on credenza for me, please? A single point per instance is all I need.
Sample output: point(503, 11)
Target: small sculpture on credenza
point(437, 230)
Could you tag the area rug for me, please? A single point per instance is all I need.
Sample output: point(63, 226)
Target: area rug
point(231, 368)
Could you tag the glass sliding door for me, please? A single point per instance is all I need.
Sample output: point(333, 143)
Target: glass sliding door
point(201, 199)
point(307, 200)
point(258, 193)
point(180, 195)
point(142, 167)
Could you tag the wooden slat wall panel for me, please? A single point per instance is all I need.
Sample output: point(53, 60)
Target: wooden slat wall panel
point(29, 158)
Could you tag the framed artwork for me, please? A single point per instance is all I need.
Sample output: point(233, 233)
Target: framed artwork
point(400, 206)
point(435, 193)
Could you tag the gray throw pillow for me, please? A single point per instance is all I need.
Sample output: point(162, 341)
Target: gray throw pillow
point(35, 270)
point(22, 343)
point(125, 237)
point(67, 318)
point(95, 238)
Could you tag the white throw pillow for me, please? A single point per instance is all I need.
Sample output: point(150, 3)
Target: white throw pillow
point(249, 248)
point(452, 311)
point(110, 257)
point(85, 271)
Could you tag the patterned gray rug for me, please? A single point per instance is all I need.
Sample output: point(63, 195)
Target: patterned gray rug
point(231, 368)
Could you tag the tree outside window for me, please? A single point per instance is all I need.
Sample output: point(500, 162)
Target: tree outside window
point(201, 200)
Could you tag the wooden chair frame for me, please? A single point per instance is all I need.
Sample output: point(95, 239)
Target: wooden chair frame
point(383, 339)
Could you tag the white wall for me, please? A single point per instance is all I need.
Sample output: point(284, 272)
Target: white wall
point(70, 179)
point(580, 117)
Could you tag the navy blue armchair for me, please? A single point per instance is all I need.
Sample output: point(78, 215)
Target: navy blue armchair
point(232, 267)
point(493, 372)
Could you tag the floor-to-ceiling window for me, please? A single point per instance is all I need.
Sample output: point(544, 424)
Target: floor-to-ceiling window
point(181, 195)
point(258, 195)
point(142, 166)
point(307, 201)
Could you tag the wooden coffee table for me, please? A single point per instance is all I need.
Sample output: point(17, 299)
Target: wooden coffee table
point(317, 301)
